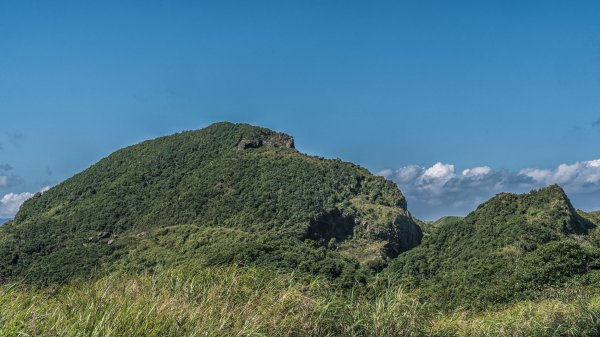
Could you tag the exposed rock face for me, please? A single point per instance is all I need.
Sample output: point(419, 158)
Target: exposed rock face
point(370, 234)
point(280, 140)
point(334, 224)
point(249, 144)
point(277, 140)
point(103, 234)
point(407, 235)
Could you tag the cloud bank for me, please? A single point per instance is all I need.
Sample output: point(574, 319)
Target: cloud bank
point(443, 190)
point(11, 202)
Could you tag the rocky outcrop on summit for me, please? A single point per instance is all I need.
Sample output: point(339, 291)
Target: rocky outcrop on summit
point(275, 140)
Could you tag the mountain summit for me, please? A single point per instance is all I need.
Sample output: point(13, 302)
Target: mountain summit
point(226, 193)
point(510, 248)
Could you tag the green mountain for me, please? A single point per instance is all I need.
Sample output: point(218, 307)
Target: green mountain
point(593, 217)
point(226, 193)
point(428, 226)
point(446, 220)
point(229, 231)
point(512, 247)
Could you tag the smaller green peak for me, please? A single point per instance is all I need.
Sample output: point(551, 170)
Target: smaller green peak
point(554, 188)
point(548, 205)
point(448, 219)
point(553, 192)
point(551, 196)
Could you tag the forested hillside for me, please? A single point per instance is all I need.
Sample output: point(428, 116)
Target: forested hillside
point(226, 193)
point(513, 247)
point(229, 230)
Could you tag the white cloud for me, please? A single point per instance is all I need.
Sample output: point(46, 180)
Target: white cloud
point(11, 202)
point(439, 171)
point(577, 177)
point(477, 171)
point(438, 190)
point(3, 181)
point(409, 173)
point(386, 173)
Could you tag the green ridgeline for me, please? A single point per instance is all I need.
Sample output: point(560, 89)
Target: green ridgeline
point(512, 247)
point(232, 219)
point(226, 193)
point(429, 226)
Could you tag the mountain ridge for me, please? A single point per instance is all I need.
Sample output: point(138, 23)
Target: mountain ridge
point(503, 251)
point(228, 192)
point(240, 194)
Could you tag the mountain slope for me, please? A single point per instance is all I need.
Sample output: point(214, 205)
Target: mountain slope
point(229, 192)
point(593, 217)
point(428, 226)
point(446, 220)
point(510, 248)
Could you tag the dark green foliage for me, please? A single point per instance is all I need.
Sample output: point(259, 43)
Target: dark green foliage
point(555, 263)
point(245, 190)
point(510, 248)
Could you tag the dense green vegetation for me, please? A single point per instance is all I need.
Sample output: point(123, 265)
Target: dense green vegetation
point(240, 301)
point(227, 193)
point(231, 231)
point(511, 248)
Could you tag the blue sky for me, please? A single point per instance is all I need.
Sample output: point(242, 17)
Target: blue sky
point(390, 85)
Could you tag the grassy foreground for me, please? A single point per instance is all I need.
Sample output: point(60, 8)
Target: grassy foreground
point(236, 301)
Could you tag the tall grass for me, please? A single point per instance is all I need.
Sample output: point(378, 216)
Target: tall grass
point(234, 301)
